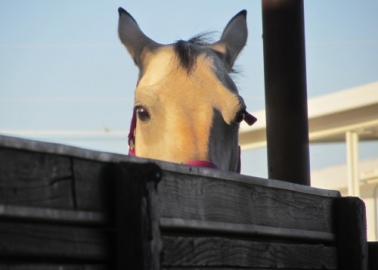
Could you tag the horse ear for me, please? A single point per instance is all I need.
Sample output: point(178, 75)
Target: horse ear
point(136, 42)
point(233, 39)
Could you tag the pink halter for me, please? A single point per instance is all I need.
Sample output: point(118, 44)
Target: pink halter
point(248, 118)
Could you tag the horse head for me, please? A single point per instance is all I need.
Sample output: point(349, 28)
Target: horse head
point(187, 108)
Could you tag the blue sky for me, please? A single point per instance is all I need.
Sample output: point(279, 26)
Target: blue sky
point(62, 66)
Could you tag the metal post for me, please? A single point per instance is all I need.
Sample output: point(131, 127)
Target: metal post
point(285, 91)
point(351, 138)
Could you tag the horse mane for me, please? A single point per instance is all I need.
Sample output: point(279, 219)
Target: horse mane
point(188, 51)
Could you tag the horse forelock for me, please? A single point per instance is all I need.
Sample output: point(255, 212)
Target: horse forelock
point(188, 51)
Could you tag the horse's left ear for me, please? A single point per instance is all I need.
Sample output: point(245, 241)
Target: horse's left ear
point(233, 39)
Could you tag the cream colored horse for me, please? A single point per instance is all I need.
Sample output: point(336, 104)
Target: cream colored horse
point(187, 108)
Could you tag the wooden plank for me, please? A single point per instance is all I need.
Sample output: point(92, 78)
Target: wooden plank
point(43, 243)
point(211, 199)
point(350, 226)
point(373, 255)
point(223, 252)
point(200, 227)
point(137, 229)
point(19, 266)
point(223, 268)
point(58, 149)
point(229, 268)
point(94, 185)
point(35, 179)
point(49, 215)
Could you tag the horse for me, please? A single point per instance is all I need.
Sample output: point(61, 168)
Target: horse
point(187, 109)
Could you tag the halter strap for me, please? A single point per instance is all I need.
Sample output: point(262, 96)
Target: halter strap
point(131, 137)
point(248, 118)
point(202, 163)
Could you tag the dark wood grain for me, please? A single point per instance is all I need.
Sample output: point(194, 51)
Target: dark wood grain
point(210, 199)
point(50, 215)
point(218, 252)
point(373, 255)
point(227, 268)
point(94, 185)
point(39, 242)
point(18, 266)
point(76, 188)
point(137, 227)
point(85, 154)
point(199, 227)
point(351, 233)
point(35, 179)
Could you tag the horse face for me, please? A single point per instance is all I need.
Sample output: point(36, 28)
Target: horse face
point(187, 107)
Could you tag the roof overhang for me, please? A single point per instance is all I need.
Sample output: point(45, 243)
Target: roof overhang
point(330, 117)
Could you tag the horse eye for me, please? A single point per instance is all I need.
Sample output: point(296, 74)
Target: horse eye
point(142, 113)
point(240, 117)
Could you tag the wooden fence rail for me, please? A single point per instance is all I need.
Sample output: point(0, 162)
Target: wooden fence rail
point(68, 208)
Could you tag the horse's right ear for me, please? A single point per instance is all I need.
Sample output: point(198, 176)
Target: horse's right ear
point(136, 42)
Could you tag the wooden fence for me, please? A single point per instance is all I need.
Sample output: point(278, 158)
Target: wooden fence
point(68, 208)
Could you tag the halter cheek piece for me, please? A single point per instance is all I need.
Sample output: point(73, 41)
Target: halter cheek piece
point(248, 118)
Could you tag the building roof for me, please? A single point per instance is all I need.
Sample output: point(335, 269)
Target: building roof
point(330, 116)
point(335, 177)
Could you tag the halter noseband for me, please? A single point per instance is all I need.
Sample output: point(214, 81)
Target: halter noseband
point(248, 118)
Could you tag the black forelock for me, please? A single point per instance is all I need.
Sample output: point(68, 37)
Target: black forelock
point(188, 51)
point(187, 54)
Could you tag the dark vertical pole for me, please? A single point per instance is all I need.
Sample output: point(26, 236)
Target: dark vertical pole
point(285, 90)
